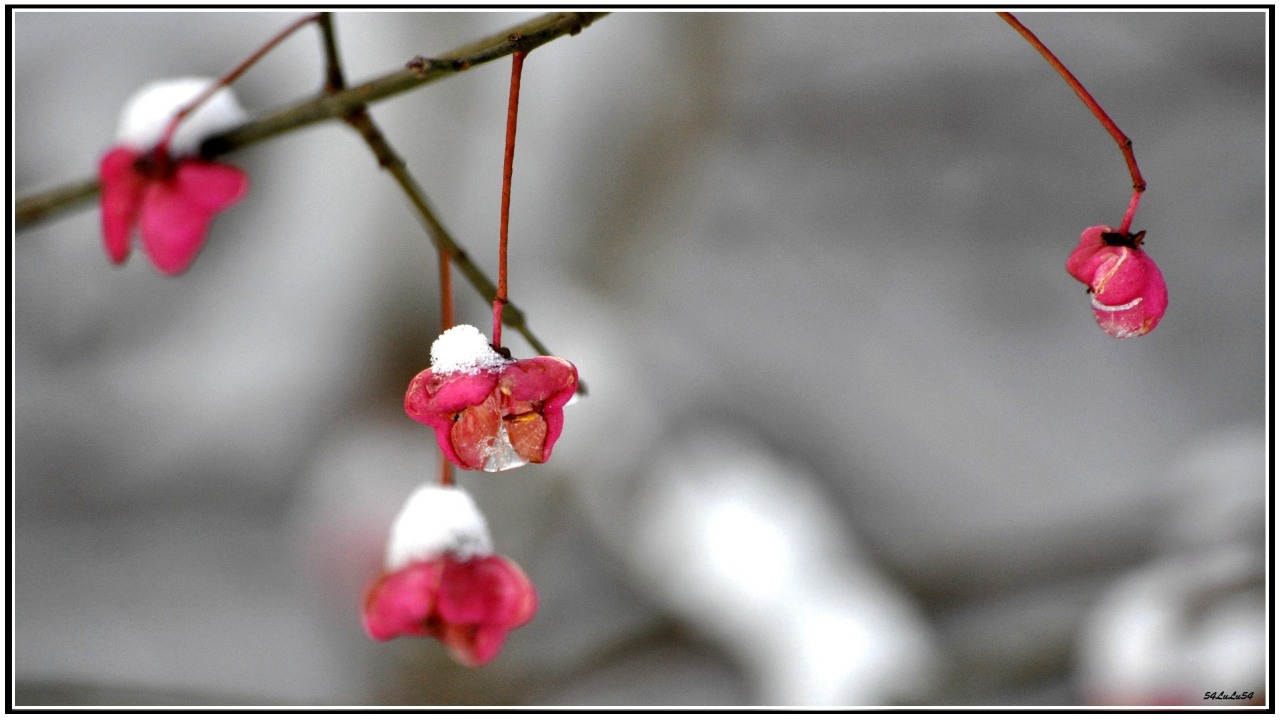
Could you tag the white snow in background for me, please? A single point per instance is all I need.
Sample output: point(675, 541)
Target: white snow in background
point(743, 547)
point(463, 348)
point(147, 113)
point(434, 521)
point(1177, 628)
point(1194, 619)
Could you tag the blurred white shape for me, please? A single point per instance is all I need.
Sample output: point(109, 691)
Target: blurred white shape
point(147, 113)
point(610, 431)
point(743, 547)
point(1176, 629)
point(1194, 621)
point(436, 520)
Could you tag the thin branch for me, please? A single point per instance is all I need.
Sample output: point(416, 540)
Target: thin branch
point(334, 79)
point(390, 160)
point(387, 157)
point(446, 288)
point(1126, 145)
point(227, 79)
point(44, 205)
point(335, 106)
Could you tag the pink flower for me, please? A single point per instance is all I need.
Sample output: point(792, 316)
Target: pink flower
point(1128, 292)
point(489, 412)
point(469, 605)
point(172, 200)
point(153, 179)
point(443, 580)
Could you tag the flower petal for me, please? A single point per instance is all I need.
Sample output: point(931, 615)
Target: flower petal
point(486, 590)
point(469, 605)
point(176, 211)
point(1120, 277)
point(433, 395)
point(480, 440)
point(215, 186)
point(550, 381)
point(486, 643)
point(173, 229)
point(402, 603)
point(1141, 314)
point(436, 399)
point(1083, 261)
point(540, 379)
point(122, 191)
point(461, 642)
point(527, 434)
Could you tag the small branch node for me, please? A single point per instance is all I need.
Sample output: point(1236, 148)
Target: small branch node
point(420, 65)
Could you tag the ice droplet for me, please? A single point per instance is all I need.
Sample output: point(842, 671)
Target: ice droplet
point(501, 454)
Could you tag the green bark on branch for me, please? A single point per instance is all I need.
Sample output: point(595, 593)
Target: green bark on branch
point(334, 106)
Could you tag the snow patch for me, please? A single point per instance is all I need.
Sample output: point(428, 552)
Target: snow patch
point(463, 348)
point(148, 111)
point(437, 520)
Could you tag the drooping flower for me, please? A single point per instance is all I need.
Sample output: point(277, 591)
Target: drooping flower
point(165, 190)
point(490, 412)
point(1126, 287)
point(441, 579)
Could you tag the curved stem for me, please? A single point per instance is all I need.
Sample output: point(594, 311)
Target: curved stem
point(504, 216)
point(391, 161)
point(1126, 145)
point(533, 33)
point(227, 79)
point(45, 205)
point(336, 81)
point(1130, 212)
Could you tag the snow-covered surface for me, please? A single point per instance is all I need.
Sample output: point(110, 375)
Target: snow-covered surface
point(147, 113)
point(437, 520)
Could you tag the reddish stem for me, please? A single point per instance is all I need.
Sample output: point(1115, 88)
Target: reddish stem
point(513, 106)
point(225, 80)
point(1131, 211)
point(446, 471)
point(446, 322)
point(1126, 145)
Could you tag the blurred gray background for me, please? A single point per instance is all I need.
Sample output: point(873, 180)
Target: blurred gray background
point(852, 438)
